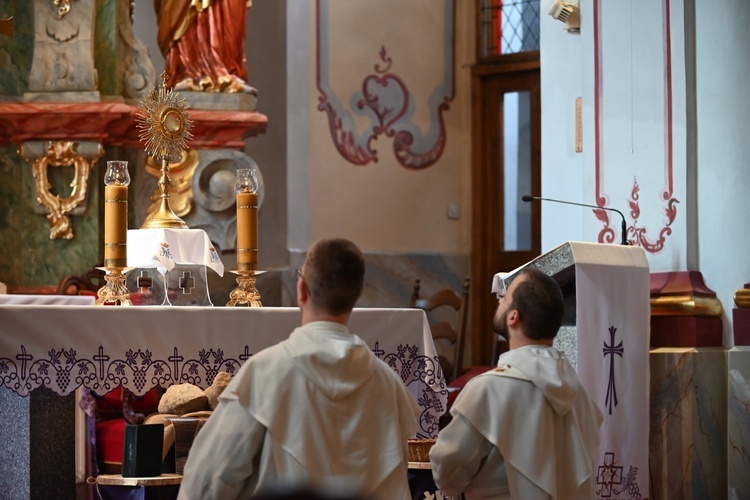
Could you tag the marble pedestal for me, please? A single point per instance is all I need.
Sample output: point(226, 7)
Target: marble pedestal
point(688, 423)
point(700, 423)
point(38, 445)
point(738, 422)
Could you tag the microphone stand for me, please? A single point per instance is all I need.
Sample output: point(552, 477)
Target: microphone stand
point(624, 231)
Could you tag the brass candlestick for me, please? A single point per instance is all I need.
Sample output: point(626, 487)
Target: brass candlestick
point(114, 292)
point(246, 187)
point(165, 128)
point(245, 294)
point(116, 181)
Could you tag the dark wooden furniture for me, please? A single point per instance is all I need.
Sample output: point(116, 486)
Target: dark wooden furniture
point(447, 312)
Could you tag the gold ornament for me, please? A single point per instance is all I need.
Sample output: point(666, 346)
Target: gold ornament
point(742, 297)
point(165, 129)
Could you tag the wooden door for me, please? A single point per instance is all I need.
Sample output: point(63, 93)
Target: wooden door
point(506, 231)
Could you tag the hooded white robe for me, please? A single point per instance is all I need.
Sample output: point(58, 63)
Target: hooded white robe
point(315, 409)
point(527, 430)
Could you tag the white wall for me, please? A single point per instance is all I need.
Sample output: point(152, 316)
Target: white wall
point(634, 142)
point(300, 28)
point(709, 117)
point(723, 110)
point(562, 168)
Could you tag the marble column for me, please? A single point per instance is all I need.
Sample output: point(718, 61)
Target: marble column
point(688, 421)
point(738, 422)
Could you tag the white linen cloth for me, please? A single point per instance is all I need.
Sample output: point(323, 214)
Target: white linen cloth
point(317, 407)
point(525, 430)
point(613, 324)
point(164, 248)
point(47, 300)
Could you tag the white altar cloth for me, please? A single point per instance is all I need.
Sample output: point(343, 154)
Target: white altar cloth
point(164, 248)
point(65, 347)
point(17, 299)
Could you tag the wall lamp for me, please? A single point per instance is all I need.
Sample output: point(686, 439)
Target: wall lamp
point(568, 13)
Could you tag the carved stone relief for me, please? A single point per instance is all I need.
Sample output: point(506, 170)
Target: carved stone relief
point(63, 49)
point(137, 74)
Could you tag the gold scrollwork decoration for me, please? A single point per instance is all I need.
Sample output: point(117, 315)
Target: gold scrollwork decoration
point(62, 154)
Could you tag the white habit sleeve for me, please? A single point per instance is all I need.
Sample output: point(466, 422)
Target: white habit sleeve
point(457, 455)
point(224, 456)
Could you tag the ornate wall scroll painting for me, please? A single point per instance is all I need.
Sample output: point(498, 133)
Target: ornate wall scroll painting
point(396, 85)
point(639, 125)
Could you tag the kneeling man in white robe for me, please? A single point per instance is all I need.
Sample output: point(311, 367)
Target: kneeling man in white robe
point(527, 429)
point(316, 410)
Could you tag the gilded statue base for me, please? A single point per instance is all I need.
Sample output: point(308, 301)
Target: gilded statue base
point(684, 311)
point(245, 294)
point(114, 292)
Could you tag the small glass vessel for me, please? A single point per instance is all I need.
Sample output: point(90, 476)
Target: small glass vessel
point(247, 181)
point(117, 173)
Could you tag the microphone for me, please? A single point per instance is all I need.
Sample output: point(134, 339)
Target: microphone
point(527, 198)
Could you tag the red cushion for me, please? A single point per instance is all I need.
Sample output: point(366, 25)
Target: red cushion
point(146, 404)
point(112, 402)
point(110, 439)
point(110, 428)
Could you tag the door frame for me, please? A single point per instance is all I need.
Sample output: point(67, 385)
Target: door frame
point(514, 72)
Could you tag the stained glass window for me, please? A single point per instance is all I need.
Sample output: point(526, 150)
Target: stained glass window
point(508, 26)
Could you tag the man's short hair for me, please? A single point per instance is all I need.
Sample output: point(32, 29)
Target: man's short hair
point(539, 301)
point(334, 274)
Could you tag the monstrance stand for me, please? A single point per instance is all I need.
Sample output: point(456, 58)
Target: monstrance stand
point(165, 128)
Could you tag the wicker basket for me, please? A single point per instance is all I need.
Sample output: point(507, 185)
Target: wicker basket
point(419, 449)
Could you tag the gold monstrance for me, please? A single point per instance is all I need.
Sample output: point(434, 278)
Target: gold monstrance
point(165, 128)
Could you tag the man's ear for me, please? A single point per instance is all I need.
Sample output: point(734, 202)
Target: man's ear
point(513, 318)
point(302, 292)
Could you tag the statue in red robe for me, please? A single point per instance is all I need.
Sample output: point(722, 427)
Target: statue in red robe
point(203, 42)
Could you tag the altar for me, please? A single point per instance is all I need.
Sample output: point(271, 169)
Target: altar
point(61, 348)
